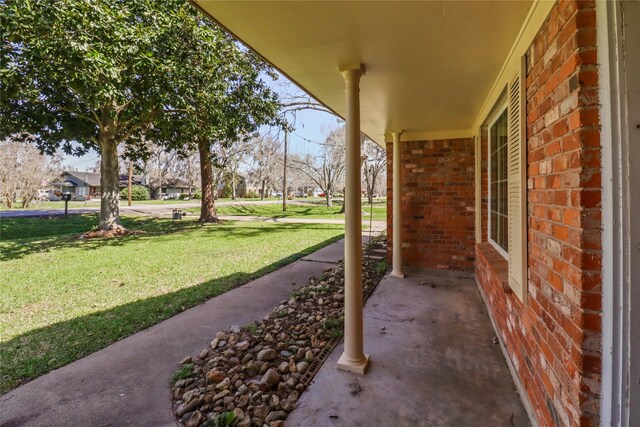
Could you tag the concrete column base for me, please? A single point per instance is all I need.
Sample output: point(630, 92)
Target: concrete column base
point(397, 275)
point(355, 367)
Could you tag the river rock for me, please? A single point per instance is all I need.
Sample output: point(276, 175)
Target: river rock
point(270, 378)
point(275, 415)
point(243, 345)
point(196, 419)
point(184, 408)
point(215, 377)
point(261, 411)
point(267, 354)
point(225, 384)
point(283, 368)
point(302, 367)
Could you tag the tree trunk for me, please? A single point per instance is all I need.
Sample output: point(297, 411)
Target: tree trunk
point(109, 185)
point(207, 202)
point(129, 183)
point(344, 199)
point(262, 191)
point(233, 187)
point(329, 199)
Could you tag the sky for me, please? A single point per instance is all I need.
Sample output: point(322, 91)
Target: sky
point(311, 127)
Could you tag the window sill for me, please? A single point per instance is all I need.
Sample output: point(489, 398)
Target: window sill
point(496, 263)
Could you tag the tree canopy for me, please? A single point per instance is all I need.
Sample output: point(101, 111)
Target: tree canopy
point(220, 98)
point(73, 70)
point(105, 74)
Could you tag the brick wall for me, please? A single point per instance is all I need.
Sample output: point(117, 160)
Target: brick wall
point(554, 339)
point(437, 203)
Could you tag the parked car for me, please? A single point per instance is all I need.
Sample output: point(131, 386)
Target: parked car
point(300, 194)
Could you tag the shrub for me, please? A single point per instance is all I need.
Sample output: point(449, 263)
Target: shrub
point(197, 195)
point(138, 192)
point(226, 192)
point(184, 196)
point(252, 194)
point(224, 419)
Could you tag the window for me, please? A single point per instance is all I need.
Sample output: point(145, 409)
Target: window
point(498, 184)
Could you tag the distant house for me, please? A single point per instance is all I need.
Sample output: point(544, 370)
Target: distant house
point(241, 187)
point(173, 188)
point(85, 185)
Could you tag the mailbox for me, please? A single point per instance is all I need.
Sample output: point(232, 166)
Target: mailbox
point(66, 197)
point(177, 214)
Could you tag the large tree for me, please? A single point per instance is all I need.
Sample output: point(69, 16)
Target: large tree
point(23, 172)
point(265, 168)
point(326, 169)
point(85, 75)
point(374, 168)
point(219, 99)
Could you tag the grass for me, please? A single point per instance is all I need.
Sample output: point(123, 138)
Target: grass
point(52, 205)
point(184, 372)
point(63, 298)
point(311, 211)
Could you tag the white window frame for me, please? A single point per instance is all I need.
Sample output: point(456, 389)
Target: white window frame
point(501, 109)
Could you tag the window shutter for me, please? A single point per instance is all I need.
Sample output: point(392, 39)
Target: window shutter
point(517, 177)
point(478, 182)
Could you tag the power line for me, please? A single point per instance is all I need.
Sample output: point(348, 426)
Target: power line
point(316, 142)
point(308, 140)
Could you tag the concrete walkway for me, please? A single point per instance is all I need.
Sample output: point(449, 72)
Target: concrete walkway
point(127, 383)
point(376, 226)
point(433, 363)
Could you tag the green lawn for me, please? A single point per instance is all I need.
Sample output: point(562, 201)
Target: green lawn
point(63, 298)
point(311, 211)
point(53, 205)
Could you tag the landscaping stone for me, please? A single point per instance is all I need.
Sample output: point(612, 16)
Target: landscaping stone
point(196, 419)
point(257, 371)
point(267, 354)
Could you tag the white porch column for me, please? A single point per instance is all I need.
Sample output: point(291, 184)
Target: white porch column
point(397, 209)
point(353, 359)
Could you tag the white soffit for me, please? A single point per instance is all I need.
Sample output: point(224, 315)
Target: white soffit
point(429, 65)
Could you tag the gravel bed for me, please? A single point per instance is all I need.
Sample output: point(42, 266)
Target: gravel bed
point(254, 375)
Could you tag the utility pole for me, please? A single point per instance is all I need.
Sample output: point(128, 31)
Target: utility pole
point(130, 179)
point(284, 177)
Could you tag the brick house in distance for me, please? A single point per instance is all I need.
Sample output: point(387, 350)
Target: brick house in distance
point(511, 130)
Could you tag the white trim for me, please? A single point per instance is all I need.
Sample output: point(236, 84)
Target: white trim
point(431, 135)
point(620, 391)
point(533, 22)
point(499, 111)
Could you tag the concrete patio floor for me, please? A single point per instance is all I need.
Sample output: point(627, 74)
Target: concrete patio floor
point(433, 363)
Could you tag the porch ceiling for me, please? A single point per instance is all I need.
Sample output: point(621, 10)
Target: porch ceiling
point(430, 65)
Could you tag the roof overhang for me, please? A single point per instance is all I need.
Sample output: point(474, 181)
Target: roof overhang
point(431, 66)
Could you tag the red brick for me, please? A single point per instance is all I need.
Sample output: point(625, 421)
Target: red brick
point(558, 330)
